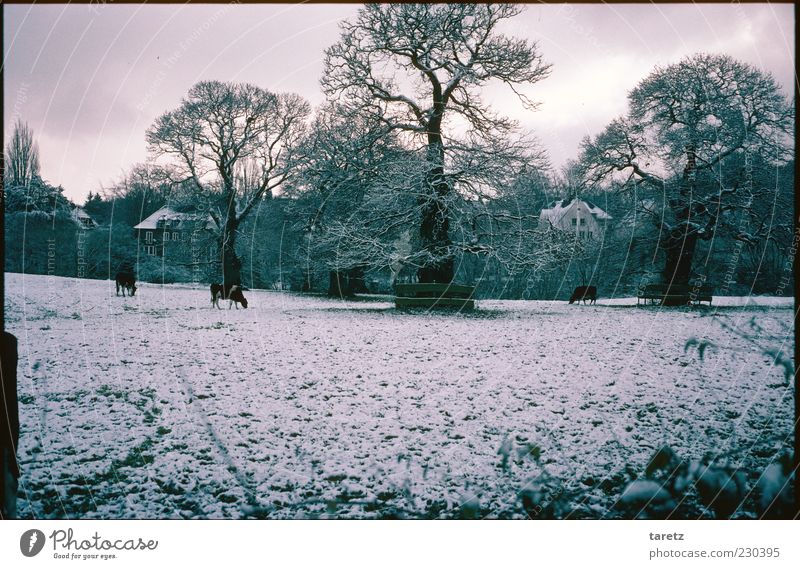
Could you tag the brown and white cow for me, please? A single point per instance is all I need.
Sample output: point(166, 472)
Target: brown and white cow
point(234, 296)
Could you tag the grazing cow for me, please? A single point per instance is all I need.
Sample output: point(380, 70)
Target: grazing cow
point(582, 293)
point(217, 292)
point(235, 296)
point(126, 281)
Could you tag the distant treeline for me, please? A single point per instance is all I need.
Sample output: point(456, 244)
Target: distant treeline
point(44, 237)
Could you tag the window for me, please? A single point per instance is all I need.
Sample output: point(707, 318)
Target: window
point(148, 237)
point(590, 235)
point(176, 236)
point(166, 236)
point(583, 233)
point(150, 249)
point(583, 221)
point(574, 221)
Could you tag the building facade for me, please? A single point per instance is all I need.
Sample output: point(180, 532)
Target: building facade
point(167, 229)
point(581, 217)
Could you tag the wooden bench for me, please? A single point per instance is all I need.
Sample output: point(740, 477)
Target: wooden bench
point(434, 295)
point(675, 294)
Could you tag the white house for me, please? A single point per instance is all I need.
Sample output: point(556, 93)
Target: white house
point(580, 216)
point(83, 219)
point(167, 226)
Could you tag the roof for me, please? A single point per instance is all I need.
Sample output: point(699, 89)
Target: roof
point(79, 214)
point(174, 217)
point(596, 211)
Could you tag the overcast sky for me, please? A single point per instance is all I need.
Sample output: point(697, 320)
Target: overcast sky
point(90, 79)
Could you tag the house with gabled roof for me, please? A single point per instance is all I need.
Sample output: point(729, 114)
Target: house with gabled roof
point(582, 217)
point(83, 219)
point(170, 228)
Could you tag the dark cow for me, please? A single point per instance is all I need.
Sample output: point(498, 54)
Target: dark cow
point(126, 281)
point(235, 296)
point(217, 292)
point(582, 293)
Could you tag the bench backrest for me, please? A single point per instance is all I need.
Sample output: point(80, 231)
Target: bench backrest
point(411, 290)
point(677, 289)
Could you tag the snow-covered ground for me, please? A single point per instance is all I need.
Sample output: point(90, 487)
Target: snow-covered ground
point(160, 406)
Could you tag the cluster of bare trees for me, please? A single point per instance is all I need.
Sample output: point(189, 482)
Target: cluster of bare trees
point(406, 170)
point(397, 158)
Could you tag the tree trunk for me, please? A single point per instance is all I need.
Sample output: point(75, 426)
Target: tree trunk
point(435, 222)
point(346, 283)
point(681, 243)
point(358, 282)
point(680, 254)
point(434, 231)
point(231, 265)
point(678, 266)
point(339, 284)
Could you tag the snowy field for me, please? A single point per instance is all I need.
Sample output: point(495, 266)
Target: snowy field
point(160, 406)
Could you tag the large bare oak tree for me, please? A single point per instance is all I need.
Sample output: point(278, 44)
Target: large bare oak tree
point(236, 143)
point(692, 134)
point(415, 67)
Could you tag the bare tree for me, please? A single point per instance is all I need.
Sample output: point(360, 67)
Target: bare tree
point(22, 156)
point(686, 124)
point(414, 65)
point(236, 143)
point(343, 155)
